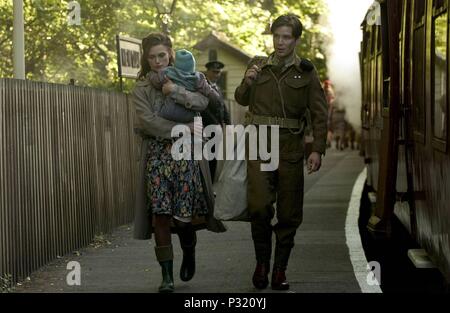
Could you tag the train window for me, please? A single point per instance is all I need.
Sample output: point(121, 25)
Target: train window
point(372, 41)
point(439, 4)
point(379, 89)
point(367, 100)
point(440, 27)
point(401, 49)
point(419, 11)
point(373, 91)
point(379, 36)
point(366, 52)
point(418, 71)
point(363, 50)
point(418, 94)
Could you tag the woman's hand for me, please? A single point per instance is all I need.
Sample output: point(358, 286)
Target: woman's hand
point(168, 87)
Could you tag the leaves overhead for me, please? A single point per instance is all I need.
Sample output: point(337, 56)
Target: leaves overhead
point(57, 52)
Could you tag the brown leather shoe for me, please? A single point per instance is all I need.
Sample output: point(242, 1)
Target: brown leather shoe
point(260, 277)
point(279, 281)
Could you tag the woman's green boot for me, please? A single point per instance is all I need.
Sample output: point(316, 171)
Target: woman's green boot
point(164, 254)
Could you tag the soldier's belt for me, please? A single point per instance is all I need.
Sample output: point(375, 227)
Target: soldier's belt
point(251, 118)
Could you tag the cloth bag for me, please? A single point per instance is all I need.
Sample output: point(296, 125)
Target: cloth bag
point(230, 185)
point(212, 223)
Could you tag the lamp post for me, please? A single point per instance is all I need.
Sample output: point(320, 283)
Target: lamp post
point(18, 40)
point(165, 9)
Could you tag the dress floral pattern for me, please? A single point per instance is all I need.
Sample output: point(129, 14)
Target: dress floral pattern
point(173, 187)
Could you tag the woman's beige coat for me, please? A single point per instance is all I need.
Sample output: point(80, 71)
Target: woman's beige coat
point(148, 101)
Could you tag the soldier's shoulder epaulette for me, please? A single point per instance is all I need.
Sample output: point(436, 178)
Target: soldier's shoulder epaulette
point(306, 65)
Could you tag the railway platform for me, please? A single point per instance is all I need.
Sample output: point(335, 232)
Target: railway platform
point(327, 257)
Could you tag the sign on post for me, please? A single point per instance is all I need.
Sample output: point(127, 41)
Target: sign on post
point(128, 56)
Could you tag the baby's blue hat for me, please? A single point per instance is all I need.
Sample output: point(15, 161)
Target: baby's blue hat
point(184, 61)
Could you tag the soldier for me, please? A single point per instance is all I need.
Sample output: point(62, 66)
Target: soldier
point(282, 90)
point(216, 113)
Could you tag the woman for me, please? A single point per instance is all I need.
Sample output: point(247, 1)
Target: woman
point(169, 192)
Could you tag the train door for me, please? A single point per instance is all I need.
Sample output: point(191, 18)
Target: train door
point(367, 105)
point(404, 206)
point(388, 109)
point(412, 131)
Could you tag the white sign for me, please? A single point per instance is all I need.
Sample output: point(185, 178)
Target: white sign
point(129, 56)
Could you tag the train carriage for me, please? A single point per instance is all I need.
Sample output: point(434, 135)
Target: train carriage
point(404, 70)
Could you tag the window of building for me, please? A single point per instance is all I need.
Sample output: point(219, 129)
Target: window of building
point(212, 55)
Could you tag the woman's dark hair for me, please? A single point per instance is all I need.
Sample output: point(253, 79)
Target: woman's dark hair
point(291, 20)
point(154, 39)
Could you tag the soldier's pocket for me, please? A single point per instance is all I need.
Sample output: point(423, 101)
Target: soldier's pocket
point(291, 146)
point(263, 90)
point(291, 172)
point(297, 82)
point(296, 88)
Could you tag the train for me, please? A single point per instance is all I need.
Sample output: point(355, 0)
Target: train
point(404, 62)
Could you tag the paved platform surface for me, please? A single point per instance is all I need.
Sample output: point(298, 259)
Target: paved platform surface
point(320, 260)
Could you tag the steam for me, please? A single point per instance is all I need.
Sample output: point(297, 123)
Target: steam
point(344, 19)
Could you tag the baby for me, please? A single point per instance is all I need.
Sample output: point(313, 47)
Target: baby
point(182, 73)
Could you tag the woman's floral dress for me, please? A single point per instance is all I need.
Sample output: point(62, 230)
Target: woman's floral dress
point(173, 187)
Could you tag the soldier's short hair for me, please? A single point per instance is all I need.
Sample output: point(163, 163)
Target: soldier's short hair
point(291, 20)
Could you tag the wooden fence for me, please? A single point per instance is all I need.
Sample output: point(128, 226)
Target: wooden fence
point(67, 170)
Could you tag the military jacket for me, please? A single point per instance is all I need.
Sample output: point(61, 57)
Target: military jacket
point(298, 87)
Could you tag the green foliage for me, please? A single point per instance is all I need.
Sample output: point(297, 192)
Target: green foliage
point(57, 52)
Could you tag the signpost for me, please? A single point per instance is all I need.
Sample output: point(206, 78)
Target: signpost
point(129, 51)
point(18, 41)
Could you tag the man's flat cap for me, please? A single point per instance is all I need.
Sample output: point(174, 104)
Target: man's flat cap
point(214, 65)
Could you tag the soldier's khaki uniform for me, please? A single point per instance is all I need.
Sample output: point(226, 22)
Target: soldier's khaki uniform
point(287, 96)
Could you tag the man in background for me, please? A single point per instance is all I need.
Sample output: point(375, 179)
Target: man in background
point(215, 113)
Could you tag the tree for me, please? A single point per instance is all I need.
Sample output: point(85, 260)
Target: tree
point(57, 52)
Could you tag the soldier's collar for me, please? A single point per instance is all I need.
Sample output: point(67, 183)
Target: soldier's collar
point(292, 60)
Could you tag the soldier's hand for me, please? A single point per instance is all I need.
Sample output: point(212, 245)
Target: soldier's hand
point(314, 162)
point(251, 74)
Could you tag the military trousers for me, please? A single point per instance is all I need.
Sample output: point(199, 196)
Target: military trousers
point(284, 188)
